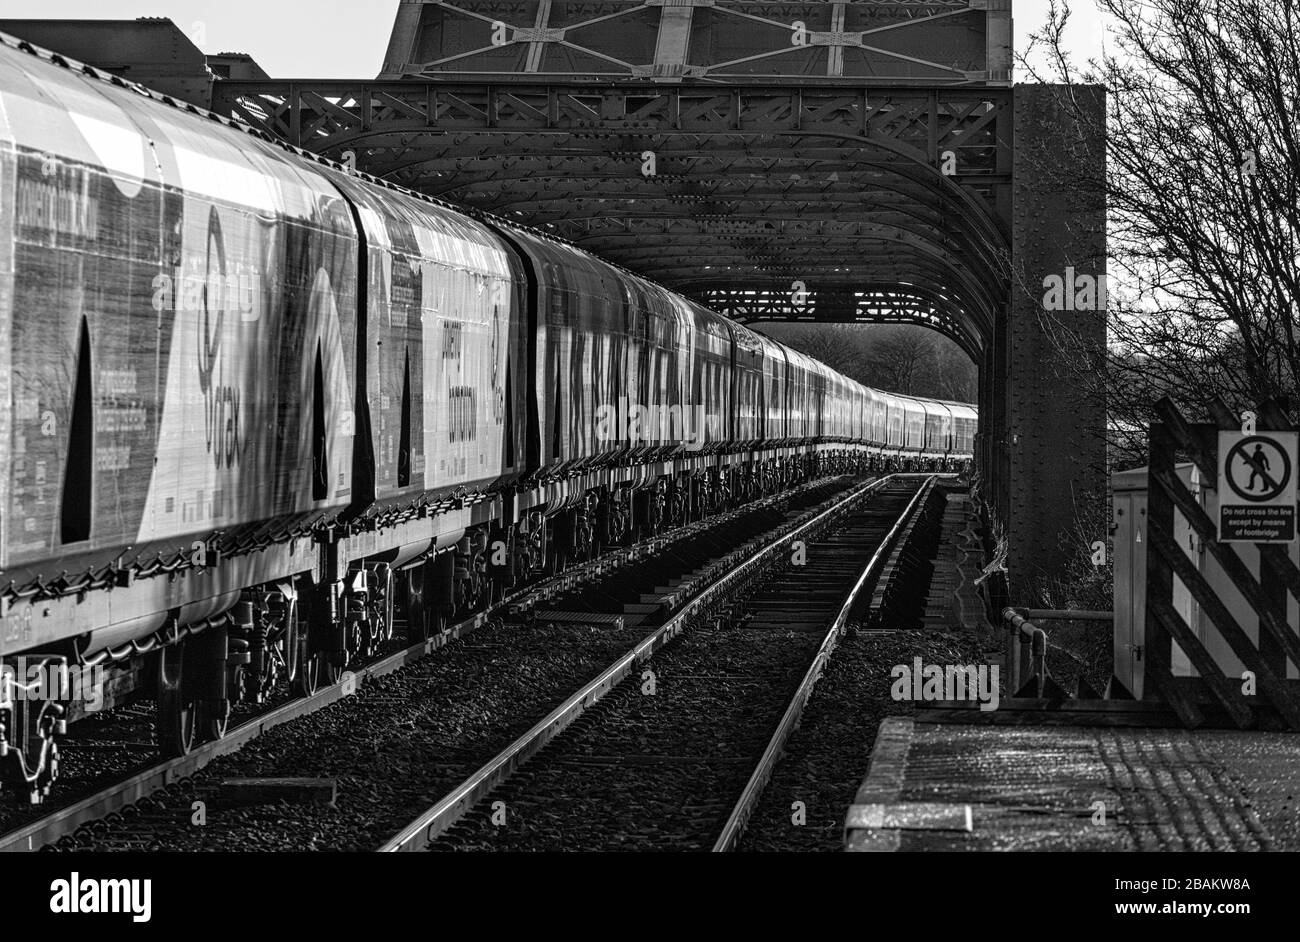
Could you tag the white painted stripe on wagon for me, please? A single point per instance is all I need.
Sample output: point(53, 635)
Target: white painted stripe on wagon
point(212, 163)
point(205, 175)
point(375, 228)
point(8, 133)
point(109, 135)
point(456, 252)
point(118, 149)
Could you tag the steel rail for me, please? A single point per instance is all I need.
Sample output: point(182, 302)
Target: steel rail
point(428, 826)
point(140, 785)
point(64, 821)
point(735, 825)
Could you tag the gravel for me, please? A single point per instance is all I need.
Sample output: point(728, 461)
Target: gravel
point(646, 771)
point(406, 739)
point(826, 759)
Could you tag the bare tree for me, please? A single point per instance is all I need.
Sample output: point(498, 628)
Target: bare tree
point(901, 358)
point(1203, 188)
point(954, 373)
point(836, 345)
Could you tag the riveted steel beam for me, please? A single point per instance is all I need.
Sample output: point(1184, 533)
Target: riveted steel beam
point(667, 41)
point(871, 148)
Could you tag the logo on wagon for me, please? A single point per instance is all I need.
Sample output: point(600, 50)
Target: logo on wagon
point(220, 400)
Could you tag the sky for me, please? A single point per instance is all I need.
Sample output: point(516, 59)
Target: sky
point(348, 38)
point(288, 38)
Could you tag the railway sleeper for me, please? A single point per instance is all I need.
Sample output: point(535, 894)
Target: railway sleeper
point(304, 634)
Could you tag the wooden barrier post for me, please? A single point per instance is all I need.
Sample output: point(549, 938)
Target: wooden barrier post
point(1165, 559)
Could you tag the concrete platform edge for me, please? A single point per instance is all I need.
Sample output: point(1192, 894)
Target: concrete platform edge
point(886, 774)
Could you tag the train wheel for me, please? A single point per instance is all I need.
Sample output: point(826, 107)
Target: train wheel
point(415, 592)
point(553, 563)
point(177, 710)
point(328, 673)
point(275, 647)
point(317, 672)
point(214, 666)
point(322, 636)
point(214, 719)
point(356, 631)
point(29, 751)
point(385, 594)
point(291, 641)
point(307, 682)
point(372, 615)
point(314, 670)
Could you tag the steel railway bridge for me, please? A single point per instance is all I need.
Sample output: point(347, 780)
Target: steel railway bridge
point(866, 160)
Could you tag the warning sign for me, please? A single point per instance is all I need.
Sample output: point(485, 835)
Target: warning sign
point(1257, 493)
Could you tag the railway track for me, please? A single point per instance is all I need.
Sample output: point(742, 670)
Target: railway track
point(80, 822)
point(670, 747)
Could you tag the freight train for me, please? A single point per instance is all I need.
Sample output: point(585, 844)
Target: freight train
point(251, 401)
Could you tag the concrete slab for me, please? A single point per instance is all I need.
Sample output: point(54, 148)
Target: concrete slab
point(1073, 788)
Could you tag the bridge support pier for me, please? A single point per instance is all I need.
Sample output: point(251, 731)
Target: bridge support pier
point(1048, 444)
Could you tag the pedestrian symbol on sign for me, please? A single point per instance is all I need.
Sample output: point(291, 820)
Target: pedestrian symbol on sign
point(1262, 464)
point(1258, 505)
point(1258, 466)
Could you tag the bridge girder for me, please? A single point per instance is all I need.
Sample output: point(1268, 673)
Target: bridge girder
point(942, 41)
point(566, 156)
point(882, 166)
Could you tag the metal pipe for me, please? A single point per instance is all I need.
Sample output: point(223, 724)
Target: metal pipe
point(1021, 630)
point(1059, 614)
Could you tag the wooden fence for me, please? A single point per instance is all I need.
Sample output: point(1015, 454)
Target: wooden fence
point(1266, 596)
